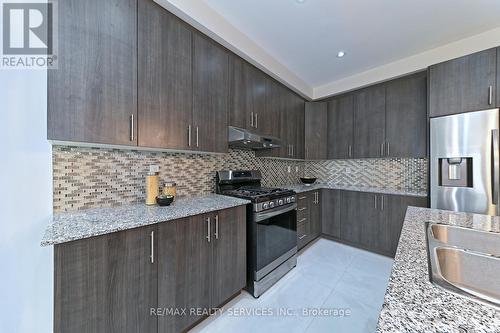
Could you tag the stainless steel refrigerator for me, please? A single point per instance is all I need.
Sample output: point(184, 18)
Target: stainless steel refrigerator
point(464, 163)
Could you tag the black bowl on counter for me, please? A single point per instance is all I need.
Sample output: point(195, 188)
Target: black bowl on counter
point(308, 180)
point(164, 200)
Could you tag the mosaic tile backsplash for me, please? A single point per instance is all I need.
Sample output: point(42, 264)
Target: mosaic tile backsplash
point(99, 177)
point(395, 173)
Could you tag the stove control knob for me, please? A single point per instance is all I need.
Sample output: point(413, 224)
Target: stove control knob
point(265, 205)
point(292, 199)
point(271, 204)
point(280, 202)
point(288, 200)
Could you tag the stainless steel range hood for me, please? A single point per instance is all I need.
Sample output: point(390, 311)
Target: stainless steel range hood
point(242, 138)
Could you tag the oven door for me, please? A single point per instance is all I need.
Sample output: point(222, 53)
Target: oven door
point(275, 238)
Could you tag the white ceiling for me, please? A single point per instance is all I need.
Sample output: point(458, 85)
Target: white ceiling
point(305, 37)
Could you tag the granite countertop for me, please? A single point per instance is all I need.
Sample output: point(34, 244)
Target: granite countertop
point(412, 303)
point(87, 223)
point(299, 188)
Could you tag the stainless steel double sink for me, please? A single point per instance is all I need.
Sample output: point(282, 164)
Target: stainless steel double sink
point(465, 261)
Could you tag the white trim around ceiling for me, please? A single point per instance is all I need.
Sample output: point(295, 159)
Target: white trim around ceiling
point(482, 41)
point(203, 17)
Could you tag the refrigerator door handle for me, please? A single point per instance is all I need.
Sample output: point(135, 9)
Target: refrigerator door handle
point(496, 165)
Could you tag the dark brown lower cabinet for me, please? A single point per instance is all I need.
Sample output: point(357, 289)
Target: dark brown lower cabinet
point(159, 278)
point(371, 221)
point(106, 284)
point(183, 272)
point(229, 264)
point(308, 217)
point(395, 211)
point(330, 212)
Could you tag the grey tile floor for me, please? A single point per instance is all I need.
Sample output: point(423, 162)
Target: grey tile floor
point(330, 277)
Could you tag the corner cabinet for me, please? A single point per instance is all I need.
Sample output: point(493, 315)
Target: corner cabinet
point(371, 221)
point(116, 282)
point(92, 95)
point(463, 84)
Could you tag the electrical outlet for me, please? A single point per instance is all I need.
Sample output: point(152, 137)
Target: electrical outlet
point(154, 168)
point(347, 170)
point(296, 169)
point(289, 169)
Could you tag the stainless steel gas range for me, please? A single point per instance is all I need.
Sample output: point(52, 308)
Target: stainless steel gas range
point(271, 227)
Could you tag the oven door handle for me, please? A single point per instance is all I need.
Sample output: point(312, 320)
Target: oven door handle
point(268, 214)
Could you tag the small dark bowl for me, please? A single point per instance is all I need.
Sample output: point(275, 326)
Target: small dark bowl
point(308, 180)
point(164, 200)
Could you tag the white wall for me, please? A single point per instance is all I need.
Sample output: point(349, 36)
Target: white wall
point(26, 280)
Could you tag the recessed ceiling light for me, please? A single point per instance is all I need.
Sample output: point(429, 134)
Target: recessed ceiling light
point(300, 1)
point(340, 54)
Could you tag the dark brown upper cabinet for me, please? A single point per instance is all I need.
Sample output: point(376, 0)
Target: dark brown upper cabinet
point(210, 95)
point(274, 105)
point(248, 93)
point(241, 101)
point(299, 144)
point(316, 129)
point(340, 127)
point(463, 84)
point(92, 95)
point(165, 78)
point(369, 122)
point(406, 117)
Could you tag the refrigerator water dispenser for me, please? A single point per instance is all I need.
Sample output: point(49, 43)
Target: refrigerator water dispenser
point(455, 172)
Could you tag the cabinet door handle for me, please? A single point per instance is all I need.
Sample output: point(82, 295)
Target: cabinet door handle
point(132, 128)
point(256, 120)
point(382, 149)
point(301, 237)
point(302, 198)
point(490, 95)
point(317, 198)
point(197, 137)
point(208, 229)
point(302, 220)
point(216, 226)
point(251, 119)
point(301, 209)
point(152, 247)
point(382, 202)
point(292, 150)
point(388, 149)
point(375, 201)
point(349, 149)
point(189, 136)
